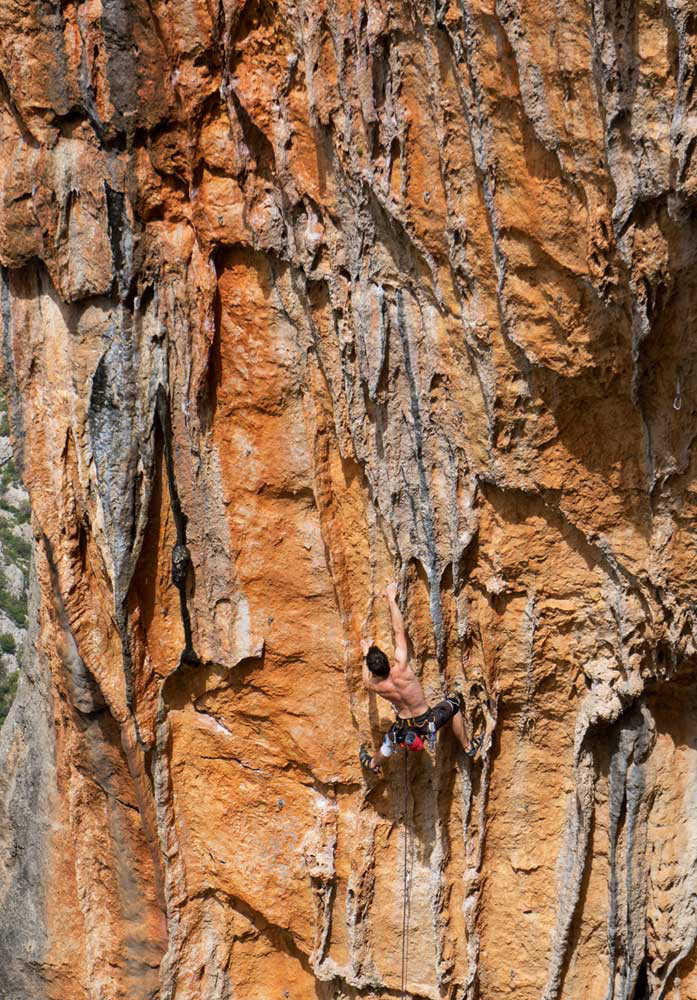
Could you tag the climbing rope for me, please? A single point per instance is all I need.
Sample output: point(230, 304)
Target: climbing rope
point(405, 881)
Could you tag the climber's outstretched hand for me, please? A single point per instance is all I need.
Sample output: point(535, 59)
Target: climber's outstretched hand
point(391, 591)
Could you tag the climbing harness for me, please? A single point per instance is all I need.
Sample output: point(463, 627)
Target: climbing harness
point(415, 732)
point(419, 732)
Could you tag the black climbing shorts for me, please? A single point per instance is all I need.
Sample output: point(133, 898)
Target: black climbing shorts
point(439, 714)
point(444, 711)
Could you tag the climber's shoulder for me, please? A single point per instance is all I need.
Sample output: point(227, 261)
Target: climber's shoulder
point(386, 688)
point(400, 668)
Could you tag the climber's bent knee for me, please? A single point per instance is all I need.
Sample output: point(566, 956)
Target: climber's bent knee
point(444, 711)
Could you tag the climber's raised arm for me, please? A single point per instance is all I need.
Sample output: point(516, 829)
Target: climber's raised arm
point(400, 636)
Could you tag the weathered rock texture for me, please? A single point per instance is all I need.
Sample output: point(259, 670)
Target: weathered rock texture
point(327, 293)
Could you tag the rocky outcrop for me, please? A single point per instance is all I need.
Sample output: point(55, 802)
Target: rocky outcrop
point(15, 553)
point(295, 299)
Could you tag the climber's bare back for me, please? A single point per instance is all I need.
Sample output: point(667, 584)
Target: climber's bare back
point(402, 689)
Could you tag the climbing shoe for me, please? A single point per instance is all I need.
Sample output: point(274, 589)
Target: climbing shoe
point(365, 757)
point(475, 745)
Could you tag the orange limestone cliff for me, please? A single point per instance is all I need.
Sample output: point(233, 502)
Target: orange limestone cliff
point(298, 298)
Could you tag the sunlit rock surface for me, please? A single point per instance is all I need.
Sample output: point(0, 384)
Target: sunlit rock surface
point(326, 294)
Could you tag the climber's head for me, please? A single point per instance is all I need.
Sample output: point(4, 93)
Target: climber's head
point(378, 664)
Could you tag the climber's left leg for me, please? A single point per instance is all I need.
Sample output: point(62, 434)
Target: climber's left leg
point(451, 709)
point(458, 727)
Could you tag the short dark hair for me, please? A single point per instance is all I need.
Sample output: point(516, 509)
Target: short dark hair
point(378, 664)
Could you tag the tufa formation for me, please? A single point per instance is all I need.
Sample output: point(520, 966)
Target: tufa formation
point(295, 298)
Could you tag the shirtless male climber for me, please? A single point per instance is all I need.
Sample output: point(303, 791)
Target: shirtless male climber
point(416, 722)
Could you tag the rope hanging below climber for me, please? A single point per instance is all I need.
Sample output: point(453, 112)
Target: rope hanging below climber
point(415, 728)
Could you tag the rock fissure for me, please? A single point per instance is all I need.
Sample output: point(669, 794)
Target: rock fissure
point(294, 301)
point(181, 557)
